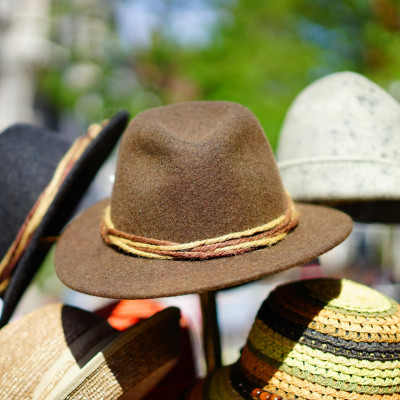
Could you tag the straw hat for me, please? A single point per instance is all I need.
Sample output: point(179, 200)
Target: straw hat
point(321, 339)
point(59, 352)
point(42, 179)
point(340, 145)
point(197, 205)
point(125, 313)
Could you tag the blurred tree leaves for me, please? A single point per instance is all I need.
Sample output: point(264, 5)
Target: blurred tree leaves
point(260, 54)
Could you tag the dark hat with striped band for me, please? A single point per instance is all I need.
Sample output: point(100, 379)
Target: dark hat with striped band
point(316, 339)
point(42, 179)
point(197, 205)
point(60, 352)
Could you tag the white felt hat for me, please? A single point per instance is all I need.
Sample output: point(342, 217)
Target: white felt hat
point(340, 145)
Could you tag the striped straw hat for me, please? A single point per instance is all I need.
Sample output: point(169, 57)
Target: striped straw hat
point(316, 339)
point(43, 177)
point(59, 352)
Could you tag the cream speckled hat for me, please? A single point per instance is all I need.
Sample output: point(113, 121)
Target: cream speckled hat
point(59, 352)
point(340, 145)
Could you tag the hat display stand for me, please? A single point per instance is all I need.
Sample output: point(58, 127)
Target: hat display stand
point(211, 331)
point(339, 146)
point(197, 206)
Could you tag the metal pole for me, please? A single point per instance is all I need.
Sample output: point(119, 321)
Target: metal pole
point(211, 334)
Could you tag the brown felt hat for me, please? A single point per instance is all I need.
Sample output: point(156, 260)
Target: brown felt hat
point(61, 352)
point(187, 172)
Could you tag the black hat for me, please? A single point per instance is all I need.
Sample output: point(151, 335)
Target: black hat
point(42, 178)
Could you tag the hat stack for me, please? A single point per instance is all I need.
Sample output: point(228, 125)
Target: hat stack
point(197, 205)
point(340, 146)
point(316, 339)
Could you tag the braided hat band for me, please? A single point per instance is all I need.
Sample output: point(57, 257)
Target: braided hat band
point(222, 246)
point(319, 339)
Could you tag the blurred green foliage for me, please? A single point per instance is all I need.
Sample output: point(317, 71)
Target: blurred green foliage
point(260, 54)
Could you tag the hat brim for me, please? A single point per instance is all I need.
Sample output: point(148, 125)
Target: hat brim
point(128, 363)
point(84, 263)
point(59, 212)
point(368, 190)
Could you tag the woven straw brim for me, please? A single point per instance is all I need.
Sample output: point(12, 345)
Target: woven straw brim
point(58, 214)
point(94, 268)
point(128, 366)
point(367, 189)
point(60, 352)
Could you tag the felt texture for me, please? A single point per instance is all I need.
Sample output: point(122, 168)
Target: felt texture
point(22, 185)
point(185, 172)
point(339, 146)
point(194, 167)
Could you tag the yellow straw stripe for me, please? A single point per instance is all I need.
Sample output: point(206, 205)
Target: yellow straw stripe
point(311, 391)
point(353, 296)
point(266, 340)
point(327, 316)
point(308, 366)
point(387, 331)
point(338, 319)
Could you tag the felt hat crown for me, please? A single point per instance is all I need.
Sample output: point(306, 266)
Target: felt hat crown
point(42, 179)
point(340, 145)
point(195, 181)
point(313, 340)
point(59, 352)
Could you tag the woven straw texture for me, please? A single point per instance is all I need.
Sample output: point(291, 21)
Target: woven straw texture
point(61, 352)
point(317, 339)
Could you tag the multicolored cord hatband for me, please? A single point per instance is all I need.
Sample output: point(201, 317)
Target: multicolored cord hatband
point(38, 211)
point(222, 246)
